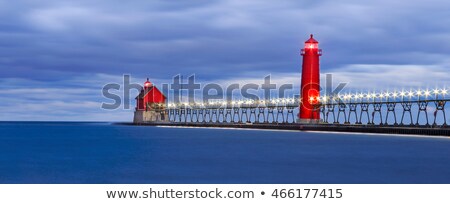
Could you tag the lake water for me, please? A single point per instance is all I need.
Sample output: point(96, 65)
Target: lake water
point(46, 152)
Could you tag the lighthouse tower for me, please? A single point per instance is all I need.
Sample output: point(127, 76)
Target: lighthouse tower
point(310, 86)
point(150, 105)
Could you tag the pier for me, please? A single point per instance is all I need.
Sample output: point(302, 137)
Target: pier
point(402, 111)
point(403, 130)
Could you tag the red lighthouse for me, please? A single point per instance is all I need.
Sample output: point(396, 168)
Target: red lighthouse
point(149, 95)
point(310, 87)
point(150, 105)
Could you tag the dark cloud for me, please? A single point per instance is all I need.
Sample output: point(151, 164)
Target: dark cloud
point(52, 40)
point(163, 38)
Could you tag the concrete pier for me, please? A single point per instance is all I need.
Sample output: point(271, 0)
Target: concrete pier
point(410, 130)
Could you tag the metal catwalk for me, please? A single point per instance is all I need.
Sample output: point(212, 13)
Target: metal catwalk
point(387, 112)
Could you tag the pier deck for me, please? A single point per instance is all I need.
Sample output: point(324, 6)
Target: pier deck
point(410, 130)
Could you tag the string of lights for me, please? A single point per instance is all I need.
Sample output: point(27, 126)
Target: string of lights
point(394, 96)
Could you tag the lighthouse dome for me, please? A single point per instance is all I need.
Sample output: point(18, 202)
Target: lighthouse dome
point(311, 40)
point(148, 83)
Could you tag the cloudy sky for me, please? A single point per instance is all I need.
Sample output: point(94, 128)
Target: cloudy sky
point(56, 55)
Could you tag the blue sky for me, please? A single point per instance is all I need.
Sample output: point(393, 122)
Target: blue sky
point(55, 56)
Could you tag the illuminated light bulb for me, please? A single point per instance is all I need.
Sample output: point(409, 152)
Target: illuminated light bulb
point(436, 91)
point(444, 91)
point(395, 94)
point(419, 92)
point(311, 98)
point(427, 93)
point(402, 93)
point(411, 93)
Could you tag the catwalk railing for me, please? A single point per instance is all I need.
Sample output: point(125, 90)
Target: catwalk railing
point(387, 113)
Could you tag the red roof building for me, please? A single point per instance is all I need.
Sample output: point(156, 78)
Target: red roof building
point(148, 96)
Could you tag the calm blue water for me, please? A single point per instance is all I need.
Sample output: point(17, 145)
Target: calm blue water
point(105, 153)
